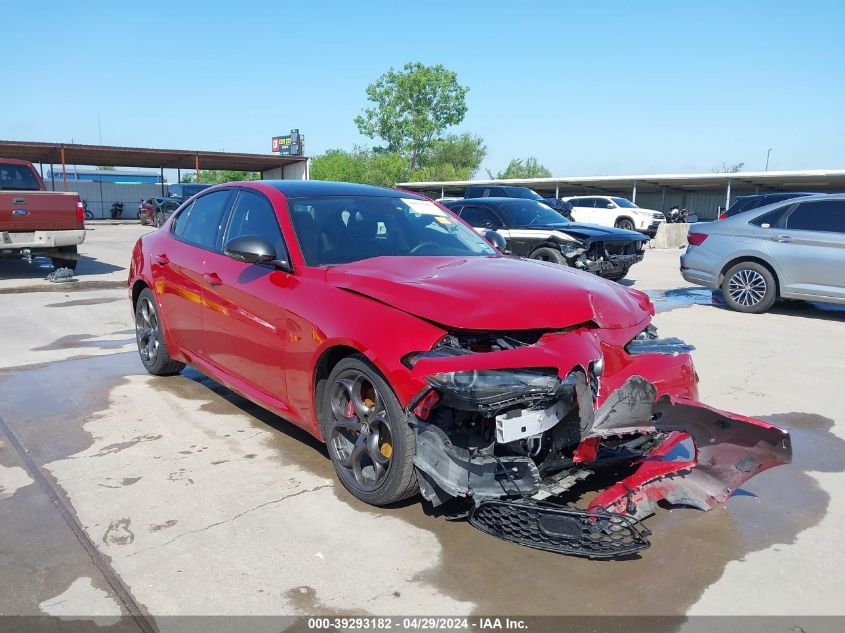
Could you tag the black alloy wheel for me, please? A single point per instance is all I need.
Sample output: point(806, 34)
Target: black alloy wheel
point(368, 438)
point(149, 333)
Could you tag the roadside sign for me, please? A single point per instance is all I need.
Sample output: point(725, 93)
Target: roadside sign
point(290, 144)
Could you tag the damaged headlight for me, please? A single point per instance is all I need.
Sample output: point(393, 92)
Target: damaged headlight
point(571, 249)
point(487, 389)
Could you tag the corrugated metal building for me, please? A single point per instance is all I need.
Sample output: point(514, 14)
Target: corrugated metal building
point(703, 194)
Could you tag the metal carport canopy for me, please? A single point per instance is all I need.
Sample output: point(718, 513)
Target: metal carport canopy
point(788, 180)
point(112, 156)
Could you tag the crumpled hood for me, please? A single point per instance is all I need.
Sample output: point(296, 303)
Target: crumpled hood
point(492, 293)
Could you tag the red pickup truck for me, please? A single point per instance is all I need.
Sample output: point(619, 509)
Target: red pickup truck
point(34, 221)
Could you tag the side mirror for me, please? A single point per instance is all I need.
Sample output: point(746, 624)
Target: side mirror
point(253, 249)
point(765, 225)
point(495, 238)
point(610, 205)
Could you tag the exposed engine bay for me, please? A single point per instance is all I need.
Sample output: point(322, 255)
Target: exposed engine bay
point(571, 458)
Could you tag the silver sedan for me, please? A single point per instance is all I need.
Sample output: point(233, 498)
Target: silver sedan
point(794, 249)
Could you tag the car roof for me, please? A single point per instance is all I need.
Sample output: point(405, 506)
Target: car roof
point(780, 193)
point(750, 214)
point(498, 186)
point(491, 200)
point(305, 188)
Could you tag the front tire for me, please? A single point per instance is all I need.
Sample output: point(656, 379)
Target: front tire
point(149, 333)
point(749, 287)
point(547, 254)
point(367, 435)
point(625, 224)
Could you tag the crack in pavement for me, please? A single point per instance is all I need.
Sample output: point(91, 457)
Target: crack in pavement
point(229, 520)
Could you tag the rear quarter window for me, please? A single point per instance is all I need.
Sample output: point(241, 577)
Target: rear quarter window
point(772, 218)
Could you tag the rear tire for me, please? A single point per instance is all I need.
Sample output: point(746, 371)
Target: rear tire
point(367, 435)
point(548, 254)
point(59, 262)
point(749, 287)
point(149, 333)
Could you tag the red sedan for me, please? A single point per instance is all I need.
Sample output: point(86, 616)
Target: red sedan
point(429, 362)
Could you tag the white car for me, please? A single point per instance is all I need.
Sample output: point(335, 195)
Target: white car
point(618, 212)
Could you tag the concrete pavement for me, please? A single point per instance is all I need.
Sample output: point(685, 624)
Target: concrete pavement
point(196, 501)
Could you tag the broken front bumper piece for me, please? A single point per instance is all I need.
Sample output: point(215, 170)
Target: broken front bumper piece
point(690, 455)
point(608, 264)
point(594, 534)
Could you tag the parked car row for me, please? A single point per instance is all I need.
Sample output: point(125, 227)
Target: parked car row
point(531, 229)
point(609, 211)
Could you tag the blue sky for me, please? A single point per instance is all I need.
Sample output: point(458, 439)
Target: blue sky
point(589, 88)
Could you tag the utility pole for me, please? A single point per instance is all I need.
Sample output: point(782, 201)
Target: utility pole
point(769, 153)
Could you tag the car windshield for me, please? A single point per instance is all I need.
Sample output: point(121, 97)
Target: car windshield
point(528, 212)
point(622, 202)
point(17, 178)
point(341, 229)
point(524, 192)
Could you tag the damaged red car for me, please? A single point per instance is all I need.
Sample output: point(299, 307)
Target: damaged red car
point(534, 400)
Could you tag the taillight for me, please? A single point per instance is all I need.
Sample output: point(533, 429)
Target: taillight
point(695, 239)
point(723, 216)
point(80, 211)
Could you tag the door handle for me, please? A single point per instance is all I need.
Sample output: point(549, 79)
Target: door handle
point(162, 260)
point(213, 279)
point(782, 238)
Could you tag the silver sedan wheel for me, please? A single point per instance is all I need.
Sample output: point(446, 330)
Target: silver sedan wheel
point(747, 287)
point(146, 330)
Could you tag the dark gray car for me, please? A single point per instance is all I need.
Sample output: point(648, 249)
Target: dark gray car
point(794, 249)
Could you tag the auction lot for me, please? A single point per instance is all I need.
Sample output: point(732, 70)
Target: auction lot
point(121, 492)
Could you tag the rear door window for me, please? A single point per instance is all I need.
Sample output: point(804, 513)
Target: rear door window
point(203, 222)
point(824, 215)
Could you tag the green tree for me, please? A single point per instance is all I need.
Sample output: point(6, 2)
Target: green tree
point(360, 165)
point(218, 176)
point(518, 168)
point(455, 157)
point(412, 108)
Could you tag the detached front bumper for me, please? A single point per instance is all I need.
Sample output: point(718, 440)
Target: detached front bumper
point(640, 442)
point(612, 265)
